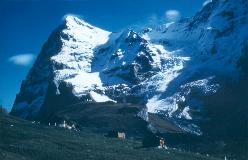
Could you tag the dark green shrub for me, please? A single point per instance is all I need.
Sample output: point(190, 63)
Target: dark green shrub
point(3, 110)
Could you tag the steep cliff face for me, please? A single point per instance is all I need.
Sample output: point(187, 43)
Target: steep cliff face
point(178, 70)
point(34, 88)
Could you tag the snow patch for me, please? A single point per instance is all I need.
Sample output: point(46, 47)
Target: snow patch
point(100, 97)
point(84, 82)
point(185, 113)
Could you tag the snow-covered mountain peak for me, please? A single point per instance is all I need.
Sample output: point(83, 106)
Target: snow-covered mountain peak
point(82, 31)
point(80, 42)
point(71, 20)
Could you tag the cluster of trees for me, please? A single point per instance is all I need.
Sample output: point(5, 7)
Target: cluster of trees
point(3, 110)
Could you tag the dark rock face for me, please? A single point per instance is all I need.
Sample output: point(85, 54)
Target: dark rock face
point(242, 63)
point(38, 79)
point(56, 102)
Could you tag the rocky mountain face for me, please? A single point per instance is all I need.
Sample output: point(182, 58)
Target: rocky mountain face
point(191, 73)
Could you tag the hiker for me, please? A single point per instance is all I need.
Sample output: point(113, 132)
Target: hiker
point(161, 142)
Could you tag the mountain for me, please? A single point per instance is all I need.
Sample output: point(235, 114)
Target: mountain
point(192, 73)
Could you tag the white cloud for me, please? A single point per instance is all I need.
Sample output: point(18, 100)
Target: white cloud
point(22, 59)
point(172, 15)
point(206, 2)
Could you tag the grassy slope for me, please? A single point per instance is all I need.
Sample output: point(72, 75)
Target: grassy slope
point(25, 140)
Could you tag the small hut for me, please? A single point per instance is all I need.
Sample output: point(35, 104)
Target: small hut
point(116, 134)
point(121, 135)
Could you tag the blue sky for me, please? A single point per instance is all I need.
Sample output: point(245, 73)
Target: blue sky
point(26, 24)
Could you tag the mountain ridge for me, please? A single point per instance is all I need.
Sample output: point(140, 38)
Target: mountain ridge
point(169, 70)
